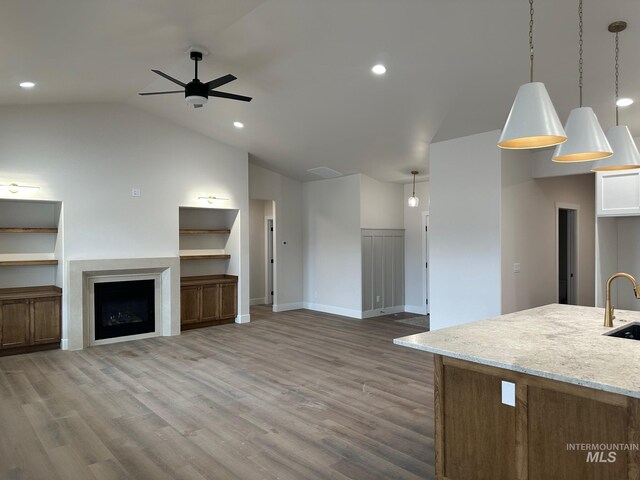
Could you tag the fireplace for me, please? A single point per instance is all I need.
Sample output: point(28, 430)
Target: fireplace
point(124, 308)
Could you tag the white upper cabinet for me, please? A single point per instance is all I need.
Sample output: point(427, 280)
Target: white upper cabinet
point(618, 193)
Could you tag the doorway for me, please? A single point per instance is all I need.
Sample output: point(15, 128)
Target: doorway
point(269, 256)
point(567, 255)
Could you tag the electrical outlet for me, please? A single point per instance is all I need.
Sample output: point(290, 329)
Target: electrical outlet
point(135, 192)
point(377, 298)
point(509, 393)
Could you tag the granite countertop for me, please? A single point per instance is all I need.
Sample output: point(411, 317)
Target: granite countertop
point(560, 342)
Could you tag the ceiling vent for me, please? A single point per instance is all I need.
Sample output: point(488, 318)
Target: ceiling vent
point(325, 172)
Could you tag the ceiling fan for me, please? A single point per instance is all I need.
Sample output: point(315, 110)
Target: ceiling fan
point(195, 92)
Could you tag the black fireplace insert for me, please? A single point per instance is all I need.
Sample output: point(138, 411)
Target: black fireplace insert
point(124, 308)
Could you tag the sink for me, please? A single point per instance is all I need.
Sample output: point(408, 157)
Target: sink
point(631, 331)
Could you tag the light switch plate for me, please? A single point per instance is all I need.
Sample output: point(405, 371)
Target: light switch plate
point(135, 192)
point(516, 268)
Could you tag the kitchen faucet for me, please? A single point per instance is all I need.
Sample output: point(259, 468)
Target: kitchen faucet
point(608, 308)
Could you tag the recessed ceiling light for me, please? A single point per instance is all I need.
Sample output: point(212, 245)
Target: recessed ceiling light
point(624, 102)
point(379, 69)
point(27, 84)
point(238, 124)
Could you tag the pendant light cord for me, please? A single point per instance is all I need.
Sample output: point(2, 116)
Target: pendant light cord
point(580, 69)
point(617, 76)
point(531, 41)
point(414, 185)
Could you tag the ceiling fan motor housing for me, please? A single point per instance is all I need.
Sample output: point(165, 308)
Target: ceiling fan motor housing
point(196, 92)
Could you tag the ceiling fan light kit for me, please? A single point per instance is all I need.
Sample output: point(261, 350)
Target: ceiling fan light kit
point(197, 93)
point(532, 121)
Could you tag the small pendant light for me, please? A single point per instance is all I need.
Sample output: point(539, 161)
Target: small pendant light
point(532, 121)
point(587, 141)
point(625, 152)
point(413, 201)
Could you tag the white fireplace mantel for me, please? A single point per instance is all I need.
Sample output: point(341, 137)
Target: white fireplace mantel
point(76, 293)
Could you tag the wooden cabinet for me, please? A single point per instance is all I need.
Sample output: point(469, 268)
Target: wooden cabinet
point(30, 319)
point(546, 435)
point(208, 300)
point(618, 193)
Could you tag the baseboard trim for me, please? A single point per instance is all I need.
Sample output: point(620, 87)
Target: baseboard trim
point(417, 309)
point(345, 312)
point(285, 307)
point(257, 301)
point(243, 318)
point(378, 312)
point(64, 344)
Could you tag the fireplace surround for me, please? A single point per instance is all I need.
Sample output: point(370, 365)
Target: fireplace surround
point(78, 325)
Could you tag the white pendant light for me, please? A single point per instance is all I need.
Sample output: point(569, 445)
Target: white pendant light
point(587, 141)
point(532, 121)
point(413, 201)
point(625, 152)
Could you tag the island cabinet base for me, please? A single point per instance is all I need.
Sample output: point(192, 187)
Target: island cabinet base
point(555, 430)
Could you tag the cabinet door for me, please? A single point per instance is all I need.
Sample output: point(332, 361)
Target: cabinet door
point(559, 420)
point(618, 193)
point(14, 317)
point(228, 300)
point(190, 305)
point(210, 303)
point(46, 321)
point(479, 430)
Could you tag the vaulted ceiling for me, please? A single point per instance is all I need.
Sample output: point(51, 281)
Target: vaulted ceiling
point(453, 69)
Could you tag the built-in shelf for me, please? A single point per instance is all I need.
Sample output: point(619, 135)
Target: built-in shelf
point(200, 231)
point(28, 230)
point(205, 257)
point(27, 259)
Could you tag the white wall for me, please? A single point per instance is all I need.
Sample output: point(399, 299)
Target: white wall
point(465, 183)
point(414, 268)
point(90, 156)
point(529, 230)
point(620, 253)
point(380, 204)
point(332, 246)
point(287, 195)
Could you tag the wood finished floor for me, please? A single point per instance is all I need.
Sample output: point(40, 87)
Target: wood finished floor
point(296, 395)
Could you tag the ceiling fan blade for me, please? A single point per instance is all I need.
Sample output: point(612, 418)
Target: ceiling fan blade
point(231, 96)
point(171, 79)
point(161, 93)
point(218, 82)
point(197, 105)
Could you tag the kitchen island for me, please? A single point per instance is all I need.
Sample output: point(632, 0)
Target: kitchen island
point(537, 394)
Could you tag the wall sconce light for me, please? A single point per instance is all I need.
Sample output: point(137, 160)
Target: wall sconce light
point(210, 199)
point(15, 188)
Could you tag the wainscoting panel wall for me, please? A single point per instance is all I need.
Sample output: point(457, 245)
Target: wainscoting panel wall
point(382, 271)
